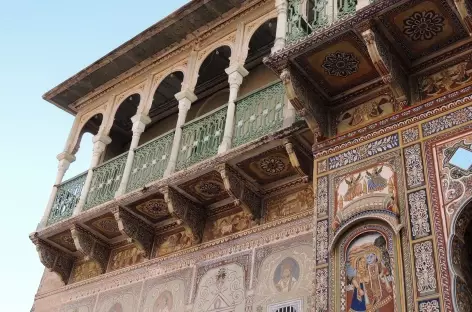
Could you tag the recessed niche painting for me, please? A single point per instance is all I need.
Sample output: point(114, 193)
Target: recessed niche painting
point(286, 275)
point(369, 278)
point(164, 302)
point(372, 189)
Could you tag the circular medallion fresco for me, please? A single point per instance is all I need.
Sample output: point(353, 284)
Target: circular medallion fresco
point(107, 225)
point(340, 64)
point(209, 188)
point(273, 165)
point(154, 208)
point(424, 25)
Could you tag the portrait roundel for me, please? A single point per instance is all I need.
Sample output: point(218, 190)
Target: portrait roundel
point(286, 275)
point(369, 276)
point(116, 308)
point(164, 302)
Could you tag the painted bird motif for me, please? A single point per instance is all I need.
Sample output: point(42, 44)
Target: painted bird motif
point(375, 182)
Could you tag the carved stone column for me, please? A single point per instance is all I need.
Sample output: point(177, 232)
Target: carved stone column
point(281, 31)
point(65, 159)
point(185, 98)
point(236, 73)
point(139, 124)
point(99, 145)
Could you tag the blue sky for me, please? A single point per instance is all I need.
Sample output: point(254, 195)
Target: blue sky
point(42, 43)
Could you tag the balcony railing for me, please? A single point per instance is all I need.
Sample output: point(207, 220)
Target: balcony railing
point(259, 113)
point(201, 138)
point(305, 17)
point(67, 196)
point(106, 179)
point(150, 161)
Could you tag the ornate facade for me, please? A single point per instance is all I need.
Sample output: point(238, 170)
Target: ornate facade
point(270, 156)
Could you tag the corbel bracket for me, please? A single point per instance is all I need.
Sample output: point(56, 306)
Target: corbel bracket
point(242, 195)
point(387, 65)
point(300, 166)
point(138, 232)
point(305, 102)
point(90, 246)
point(189, 214)
point(55, 260)
point(464, 14)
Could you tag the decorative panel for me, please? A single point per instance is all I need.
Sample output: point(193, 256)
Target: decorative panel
point(426, 282)
point(410, 135)
point(284, 205)
point(125, 256)
point(432, 305)
point(124, 299)
point(229, 224)
point(447, 121)
point(322, 196)
point(321, 242)
point(419, 214)
point(414, 166)
point(321, 289)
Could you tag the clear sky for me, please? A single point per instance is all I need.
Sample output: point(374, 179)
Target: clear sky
point(42, 43)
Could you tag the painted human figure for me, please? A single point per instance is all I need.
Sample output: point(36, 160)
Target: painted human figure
point(354, 187)
point(163, 303)
point(287, 280)
point(375, 182)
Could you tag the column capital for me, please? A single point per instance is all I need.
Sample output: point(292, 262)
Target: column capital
point(66, 156)
point(236, 68)
point(281, 5)
point(105, 139)
point(139, 122)
point(186, 94)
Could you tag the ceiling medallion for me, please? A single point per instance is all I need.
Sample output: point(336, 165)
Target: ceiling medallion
point(155, 208)
point(209, 188)
point(107, 225)
point(423, 25)
point(340, 64)
point(272, 165)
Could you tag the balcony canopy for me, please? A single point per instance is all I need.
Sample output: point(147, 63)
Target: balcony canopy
point(165, 33)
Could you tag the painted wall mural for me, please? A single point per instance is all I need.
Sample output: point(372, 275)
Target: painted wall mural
point(124, 299)
point(125, 256)
point(228, 224)
point(365, 112)
point(173, 243)
point(161, 295)
point(283, 273)
point(366, 271)
point(85, 270)
point(222, 289)
point(373, 188)
point(287, 204)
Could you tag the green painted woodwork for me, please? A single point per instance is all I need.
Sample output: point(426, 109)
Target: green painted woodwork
point(67, 196)
point(106, 179)
point(150, 161)
point(201, 137)
point(259, 113)
point(346, 7)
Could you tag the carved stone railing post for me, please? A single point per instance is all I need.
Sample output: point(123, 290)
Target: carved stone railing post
point(99, 145)
point(65, 159)
point(91, 247)
point(55, 260)
point(236, 73)
point(281, 31)
point(185, 98)
point(139, 124)
point(138, 232)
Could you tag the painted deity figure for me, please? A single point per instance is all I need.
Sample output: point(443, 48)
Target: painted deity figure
point(375, 182)
point(370, 289)
point(287, 279)
point(354, 187)
point(163, 303)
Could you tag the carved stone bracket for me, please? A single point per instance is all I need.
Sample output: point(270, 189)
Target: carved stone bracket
point(464, 13)
point(138, 232)
point(236, 187)
point(307, 104)
point(301, 166)
point(52, 258)
point(90, 246)
point(387, 65)
point(191, 216)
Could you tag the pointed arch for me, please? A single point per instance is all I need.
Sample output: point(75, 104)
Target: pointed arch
point(255, 26)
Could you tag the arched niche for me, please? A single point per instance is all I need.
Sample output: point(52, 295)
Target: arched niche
point(164, 108)
point(366, 270)
point(212, 78)
point(460, 257)
point(121, 130)
point(259, 46)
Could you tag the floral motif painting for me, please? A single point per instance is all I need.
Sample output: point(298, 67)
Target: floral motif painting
point(369, 277)
point(373, 188)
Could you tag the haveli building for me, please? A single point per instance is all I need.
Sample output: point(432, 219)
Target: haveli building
point(270, 156)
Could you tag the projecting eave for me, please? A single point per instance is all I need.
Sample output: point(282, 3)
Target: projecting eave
point(161, 36)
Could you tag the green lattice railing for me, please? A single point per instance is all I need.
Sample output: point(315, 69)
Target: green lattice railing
point(67, 196)
point(106, 179)
point(150, 161)
point(259, 113)
point(201, 137)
